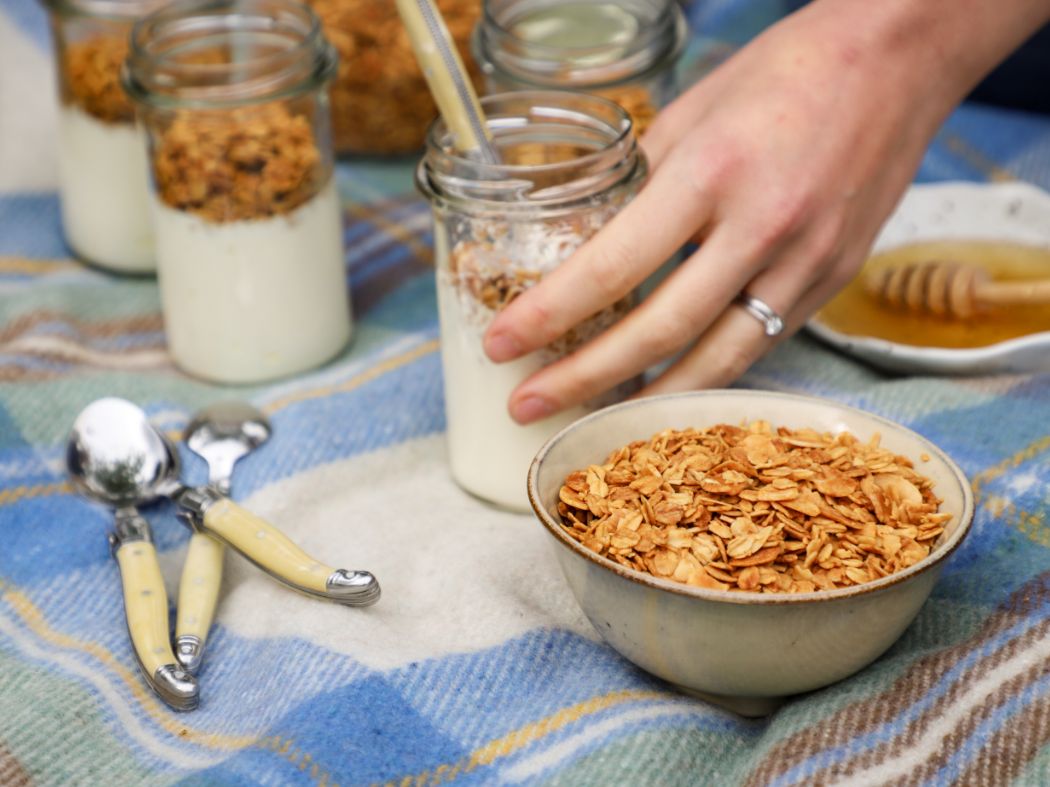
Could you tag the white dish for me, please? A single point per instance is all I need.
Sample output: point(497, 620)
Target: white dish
point(1016, 212)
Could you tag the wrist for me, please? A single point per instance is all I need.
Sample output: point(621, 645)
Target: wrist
point(926, 53)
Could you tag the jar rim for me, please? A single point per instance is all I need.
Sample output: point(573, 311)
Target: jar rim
point(114, 10)
point(499, 48)
point(448, 177)
point(301, 60)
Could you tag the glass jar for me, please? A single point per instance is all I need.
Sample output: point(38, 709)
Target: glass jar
point(381, 104)
point(101, 153)
point(569, 163)
point(624, 50)
point(233, 97)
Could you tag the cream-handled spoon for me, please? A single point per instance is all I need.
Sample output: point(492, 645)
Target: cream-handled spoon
point(102, 468)
point(205, 510)
point(221, 434)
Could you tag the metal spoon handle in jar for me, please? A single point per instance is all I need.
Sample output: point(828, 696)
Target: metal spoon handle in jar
point(272, 551)
point(146, 611)
point(447, 79)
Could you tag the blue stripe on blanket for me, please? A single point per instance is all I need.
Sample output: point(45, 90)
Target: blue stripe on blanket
point(32, 227)
point(29, 16)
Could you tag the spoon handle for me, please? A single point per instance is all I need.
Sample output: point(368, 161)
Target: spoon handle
point(275, 553)
point(146, 610)
point(198, 597)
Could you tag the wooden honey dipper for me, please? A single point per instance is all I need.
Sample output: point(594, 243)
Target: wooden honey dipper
point(951, 289)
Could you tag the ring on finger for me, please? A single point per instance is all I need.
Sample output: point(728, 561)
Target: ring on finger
point(772, 323)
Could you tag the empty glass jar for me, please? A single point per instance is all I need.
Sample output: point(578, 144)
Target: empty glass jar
point(625, 50)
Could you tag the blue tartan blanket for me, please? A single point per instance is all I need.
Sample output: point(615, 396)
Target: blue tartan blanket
point(476, 667)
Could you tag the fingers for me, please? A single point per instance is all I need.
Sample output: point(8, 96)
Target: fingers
point(605, 269)
point(678, 311)
point(666, 130)
point(737, 340)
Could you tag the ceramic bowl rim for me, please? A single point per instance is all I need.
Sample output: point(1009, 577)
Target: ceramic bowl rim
point(742, 597)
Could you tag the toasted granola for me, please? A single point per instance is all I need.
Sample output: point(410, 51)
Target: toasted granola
point(92, 78)
point(755, 508)
point(246, 163)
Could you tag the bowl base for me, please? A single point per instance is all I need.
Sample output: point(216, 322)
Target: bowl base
point(750, 707)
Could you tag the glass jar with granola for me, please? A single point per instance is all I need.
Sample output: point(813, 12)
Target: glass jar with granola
point(233, 97)
point(625, 50)
point(101, 152)
point(381, 104)
point(569, 162)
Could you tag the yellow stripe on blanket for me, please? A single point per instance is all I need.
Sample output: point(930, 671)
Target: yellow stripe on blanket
point(367, 376)
point(25, 265)
point(165, 718)
point(523, 736)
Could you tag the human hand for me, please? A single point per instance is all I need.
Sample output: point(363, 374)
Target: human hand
point(783, 163)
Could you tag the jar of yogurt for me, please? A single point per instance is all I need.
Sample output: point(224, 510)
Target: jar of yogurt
point(625, 50)
point(233, 97)
point(499, 229)
point(101, 153)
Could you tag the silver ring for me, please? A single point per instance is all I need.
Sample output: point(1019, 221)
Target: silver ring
point(772, 322)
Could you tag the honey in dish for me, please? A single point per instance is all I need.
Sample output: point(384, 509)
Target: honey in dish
point(856, 312)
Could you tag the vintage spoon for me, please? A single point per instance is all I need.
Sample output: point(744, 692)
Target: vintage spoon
point(206, 510)
point(221, 434)
point(102, 468)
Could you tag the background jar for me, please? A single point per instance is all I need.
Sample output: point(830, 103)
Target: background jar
point(624, 50)
point(569, 164)
point(101, 153)
point(233, 96)
point(381, 104)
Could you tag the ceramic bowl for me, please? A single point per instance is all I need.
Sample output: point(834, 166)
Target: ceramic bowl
point(1011, 212)
point(742, 649)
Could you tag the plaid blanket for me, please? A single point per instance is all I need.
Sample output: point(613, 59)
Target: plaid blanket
point(476, 667)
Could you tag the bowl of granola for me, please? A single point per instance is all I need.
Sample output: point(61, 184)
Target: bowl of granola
point(748, 545)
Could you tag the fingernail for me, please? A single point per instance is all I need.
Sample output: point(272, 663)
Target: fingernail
point(502, 347)
point(531, 408)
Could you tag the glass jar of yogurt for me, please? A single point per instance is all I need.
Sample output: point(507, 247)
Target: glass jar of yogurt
point(569, 163)
point(101, 153)
point(625, 50)
point(233, 97)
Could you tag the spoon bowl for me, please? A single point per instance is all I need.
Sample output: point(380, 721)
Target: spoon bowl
point(115, 456)
point(224, 432)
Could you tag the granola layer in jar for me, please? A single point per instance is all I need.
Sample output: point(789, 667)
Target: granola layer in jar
point(101, 153)
point(625, 50)
point(499, 229)
point(247, 216)
point(381, 104)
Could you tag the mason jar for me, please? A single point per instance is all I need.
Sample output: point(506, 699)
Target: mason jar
point(101, 153)
point(233, 97)
point(499, 229)
point(625, 50)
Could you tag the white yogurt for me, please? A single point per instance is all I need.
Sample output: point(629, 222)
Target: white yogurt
point(105, 192)
point(246, 301)
point(489, 452)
